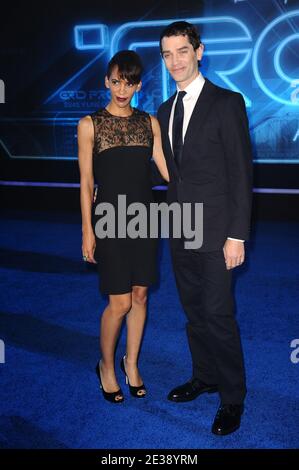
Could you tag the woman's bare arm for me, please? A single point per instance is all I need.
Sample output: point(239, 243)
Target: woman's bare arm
point(158, 154)
point(85, 150)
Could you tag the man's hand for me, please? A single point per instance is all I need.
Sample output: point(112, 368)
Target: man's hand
point(234, 253)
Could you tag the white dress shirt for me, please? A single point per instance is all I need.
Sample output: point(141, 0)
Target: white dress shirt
point(193, 91)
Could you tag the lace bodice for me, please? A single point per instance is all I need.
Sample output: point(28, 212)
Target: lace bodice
point(115, 131)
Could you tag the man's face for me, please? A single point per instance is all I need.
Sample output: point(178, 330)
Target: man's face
point(181, 59)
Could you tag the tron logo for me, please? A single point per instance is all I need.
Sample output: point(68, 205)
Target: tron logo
point(2, 92)
point(253, 55)
point(233, 40)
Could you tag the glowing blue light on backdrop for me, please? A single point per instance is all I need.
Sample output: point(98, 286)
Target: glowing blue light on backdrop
point(89, 37)
point(241, 54)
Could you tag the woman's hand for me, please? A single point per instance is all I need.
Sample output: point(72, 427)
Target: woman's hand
point(88, 245)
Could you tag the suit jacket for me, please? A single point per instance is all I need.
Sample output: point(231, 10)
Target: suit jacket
point(216, 166)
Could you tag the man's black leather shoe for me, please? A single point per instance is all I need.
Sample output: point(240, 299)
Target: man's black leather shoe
point(190, 390)
point(227, 419)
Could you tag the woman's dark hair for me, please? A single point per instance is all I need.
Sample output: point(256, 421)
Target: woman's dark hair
point(129, 66)
point(182, 28)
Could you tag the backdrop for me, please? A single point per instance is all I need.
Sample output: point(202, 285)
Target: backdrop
point(54, 58)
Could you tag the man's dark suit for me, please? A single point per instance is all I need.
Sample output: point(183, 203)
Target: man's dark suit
point(216, 169)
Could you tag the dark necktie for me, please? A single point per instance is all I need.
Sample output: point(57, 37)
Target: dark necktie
point(177, 128)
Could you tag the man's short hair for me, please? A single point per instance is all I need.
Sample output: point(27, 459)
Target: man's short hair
point(182, 28)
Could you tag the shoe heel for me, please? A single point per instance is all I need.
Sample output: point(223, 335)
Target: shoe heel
point(122, 366)
point(134, 391)
point(109, 396)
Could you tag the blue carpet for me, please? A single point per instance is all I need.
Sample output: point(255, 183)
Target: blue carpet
point(50, 311)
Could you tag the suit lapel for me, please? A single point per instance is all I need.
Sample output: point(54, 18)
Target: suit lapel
point(202, 107)
point(167, 145)
point(166, 128)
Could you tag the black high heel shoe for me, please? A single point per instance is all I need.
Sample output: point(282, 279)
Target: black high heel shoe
point(135, 391)
point(109, 396)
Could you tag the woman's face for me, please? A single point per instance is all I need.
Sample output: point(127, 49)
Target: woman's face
point(121, 90)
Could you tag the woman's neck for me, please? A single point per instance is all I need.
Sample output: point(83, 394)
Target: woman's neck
point(118, 111)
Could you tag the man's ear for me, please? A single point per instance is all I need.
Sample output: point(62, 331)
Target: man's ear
point(199, 51)
point(107, 82)
point(139, 86)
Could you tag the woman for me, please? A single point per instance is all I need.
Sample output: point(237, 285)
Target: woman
point(116, 144)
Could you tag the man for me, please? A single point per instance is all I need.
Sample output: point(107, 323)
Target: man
point(208, 152)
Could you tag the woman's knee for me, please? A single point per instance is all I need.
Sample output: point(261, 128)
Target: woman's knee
point(139, 295)
point(121, 304)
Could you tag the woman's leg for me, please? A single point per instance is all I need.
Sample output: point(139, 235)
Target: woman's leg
point(111, 321)
point(135, 326)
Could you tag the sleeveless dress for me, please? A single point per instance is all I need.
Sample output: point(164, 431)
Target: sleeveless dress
point(121, 165)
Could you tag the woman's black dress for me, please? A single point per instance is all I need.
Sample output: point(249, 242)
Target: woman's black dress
point(121, 165)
